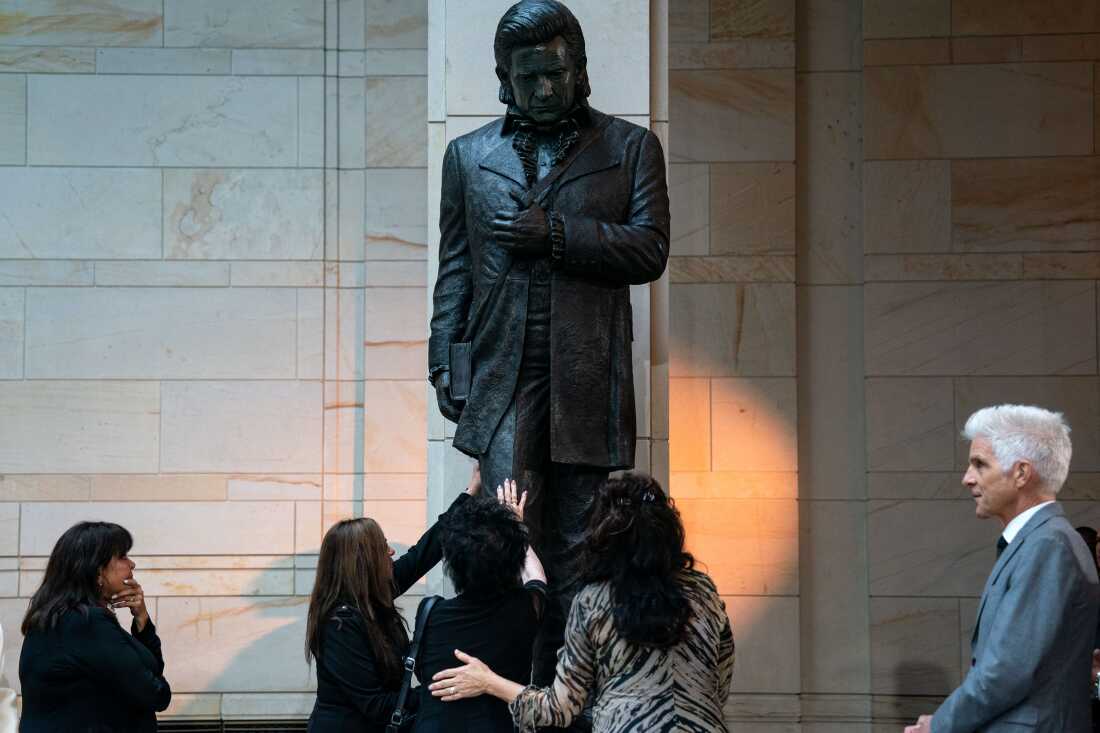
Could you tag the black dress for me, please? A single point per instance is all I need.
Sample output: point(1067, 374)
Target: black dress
point(499, 630)
point(351, 695)
point(87, 675)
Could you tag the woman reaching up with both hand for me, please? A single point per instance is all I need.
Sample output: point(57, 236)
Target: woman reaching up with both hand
point(647, 636)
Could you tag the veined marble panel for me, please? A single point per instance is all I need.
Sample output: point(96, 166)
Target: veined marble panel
point(9, 529)
point(749, 547)
point(345, 274)
point(344, 328)
point(752, 208)
point(47, 60)
point(689, 424)
point(169, 583)
point(81, 23)
point(734, 484)
point(395, 274)
point(736, 269)
point(396, 62)
point(350, 214)
point(45, 272)
point(907, 51)
point(689, 21)
point(395, 333)
point(907, 206)
point(12, 310)
point(754, 424)
point(13, 120)
point(395, 413)
point(396, 121)
point(689, 202)
point(914, 646)
point(311, 121)
point(305, 487)
point(156, 487)
point(732, 115)
point(397, 23)
point(79, 213)
point(830, 35)
point(1078, 398)
point(376, 486)
point(74, 427)
point(617, 43)
point(991, 50)
point(279, 62)
point(165, 528)
point(160, 333)
point(396, 214)
point(977, 111)
point(1062, 266)
point(732, 330)
point(311, 333)
point(156, 273)
point(44, 487)
point(403, 521)
point(234, 644)
point(934, 548)
point(938, 267)
point(343, 452)
point(163, 121)
point(1028, 204)
point(241, 427)
point(730, 19)
point(830, 178)
point(910, 424)
point(897, 485)
point(250, 706)
point(961, 328)
point(162, 61)
point(276, 274)
point(1005, 17)
point(353, 125)
point(765, 630)
point(1076, 47)
point(243, 214)
point(307, 534)
point(906, 18)
point(244, 23)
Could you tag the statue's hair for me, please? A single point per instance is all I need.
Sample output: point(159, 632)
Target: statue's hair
point(1025, 433)
point(530, 22)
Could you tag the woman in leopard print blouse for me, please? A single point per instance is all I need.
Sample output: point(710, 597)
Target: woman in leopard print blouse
point(647, 637)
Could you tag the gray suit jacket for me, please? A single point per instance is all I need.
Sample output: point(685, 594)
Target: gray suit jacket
point(1032, 646)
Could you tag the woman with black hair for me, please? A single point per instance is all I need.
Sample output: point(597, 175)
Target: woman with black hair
point(501, 590)
point(647, 637)
point(79, 670)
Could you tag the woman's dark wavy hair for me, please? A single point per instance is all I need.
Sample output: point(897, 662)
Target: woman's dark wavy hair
point(635, 541)
point(71, 581)
point(530, 22)
point(484, 546)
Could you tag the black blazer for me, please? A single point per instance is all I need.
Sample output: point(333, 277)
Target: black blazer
point(351, 696)
point(613, 199)
point(500, 631)
point(87, 675)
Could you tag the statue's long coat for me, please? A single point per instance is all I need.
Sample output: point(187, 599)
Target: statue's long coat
point(614, 201)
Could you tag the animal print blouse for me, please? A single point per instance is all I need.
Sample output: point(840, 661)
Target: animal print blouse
point(636, 688)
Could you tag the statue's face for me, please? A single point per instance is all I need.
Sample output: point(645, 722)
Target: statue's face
point(544, 80)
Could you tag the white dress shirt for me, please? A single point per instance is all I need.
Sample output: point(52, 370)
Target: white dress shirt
point(1013, 528)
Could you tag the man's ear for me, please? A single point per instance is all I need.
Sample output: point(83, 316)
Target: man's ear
point(1022, 473)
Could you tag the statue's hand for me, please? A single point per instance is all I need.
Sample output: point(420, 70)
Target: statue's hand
point(451, 410)
point(525, 232)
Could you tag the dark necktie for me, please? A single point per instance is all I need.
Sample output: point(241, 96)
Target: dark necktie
point(1001, 545)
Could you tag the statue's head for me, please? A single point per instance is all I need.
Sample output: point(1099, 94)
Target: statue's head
point(540, 57)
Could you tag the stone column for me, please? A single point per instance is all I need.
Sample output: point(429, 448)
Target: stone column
point(462, 96)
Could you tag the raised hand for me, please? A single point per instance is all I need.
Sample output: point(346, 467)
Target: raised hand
point(133, 598)
point(506, 495)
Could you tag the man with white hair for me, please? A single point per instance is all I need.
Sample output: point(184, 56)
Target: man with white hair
point(1032, 645)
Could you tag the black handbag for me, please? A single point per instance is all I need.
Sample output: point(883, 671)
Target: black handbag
point(400, 721)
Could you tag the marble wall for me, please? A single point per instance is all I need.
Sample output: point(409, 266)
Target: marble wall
point(213, 273)
point(886, 216)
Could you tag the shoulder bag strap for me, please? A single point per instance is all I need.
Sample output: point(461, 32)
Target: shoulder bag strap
point(422, 613)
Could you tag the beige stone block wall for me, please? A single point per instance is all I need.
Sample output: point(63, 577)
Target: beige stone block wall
point(212, 309)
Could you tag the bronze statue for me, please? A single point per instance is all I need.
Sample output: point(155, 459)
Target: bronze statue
point(548, 215)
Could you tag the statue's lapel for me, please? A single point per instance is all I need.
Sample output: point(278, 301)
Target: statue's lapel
point(504, 161)
point(597, 157)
